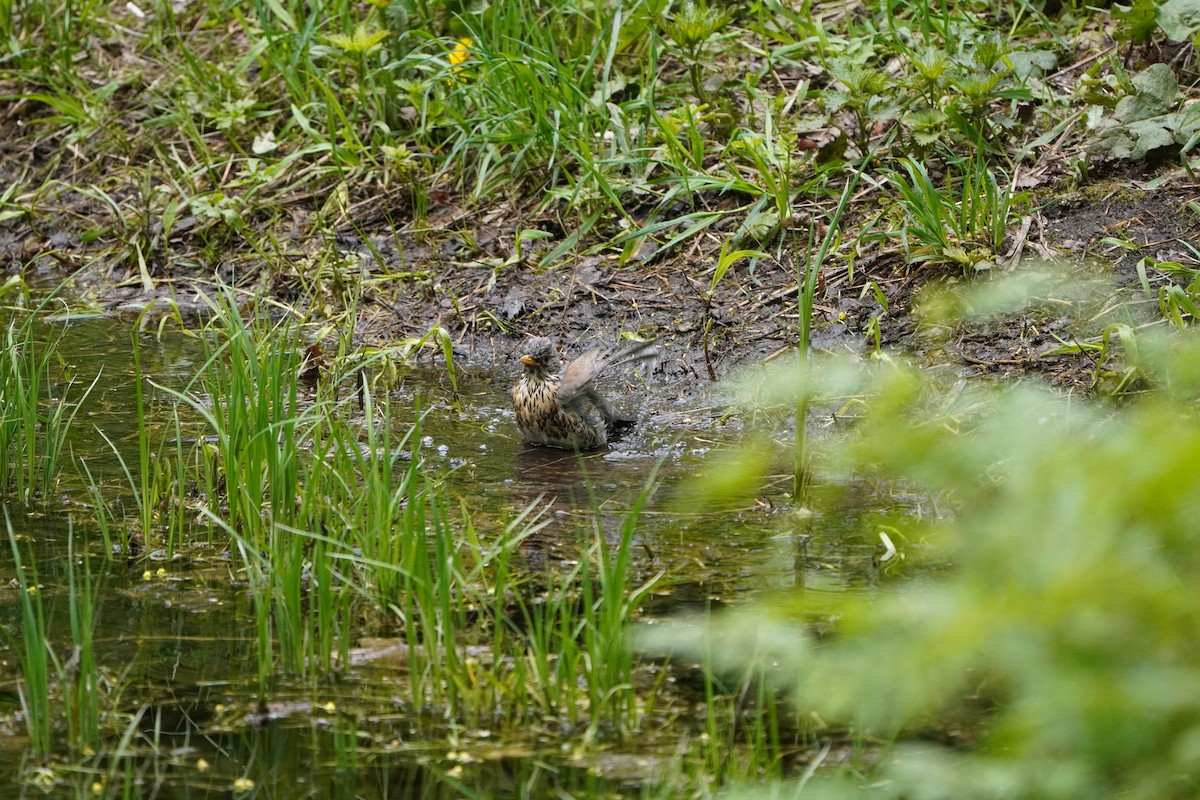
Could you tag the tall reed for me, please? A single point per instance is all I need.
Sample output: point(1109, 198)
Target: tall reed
point(33, 652)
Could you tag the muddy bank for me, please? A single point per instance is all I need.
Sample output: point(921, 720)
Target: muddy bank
point(462, 271)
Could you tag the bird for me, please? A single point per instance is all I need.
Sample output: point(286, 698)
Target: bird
point(558, 407)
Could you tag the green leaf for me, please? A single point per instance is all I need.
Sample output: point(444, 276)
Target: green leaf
point(363, 41)
point(282, 13)
point(1180, 19)
point(1031, 62)
point(1137, 139)
point(1143, 122)
point(1137, 22)
point(1156, 91)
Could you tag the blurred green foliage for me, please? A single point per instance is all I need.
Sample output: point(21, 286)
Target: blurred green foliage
point(1056, 658)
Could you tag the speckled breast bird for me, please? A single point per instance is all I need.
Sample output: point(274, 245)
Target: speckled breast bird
point(559, 408)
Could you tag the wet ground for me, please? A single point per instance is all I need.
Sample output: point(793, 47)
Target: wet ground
point(467, 280)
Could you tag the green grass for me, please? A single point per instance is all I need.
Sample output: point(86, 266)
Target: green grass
point(962, 224)
point(37, 410)
point(327, 509)
point(625, 122)
point(652, 131)
point(331, 516)
point(35, 688)
point(61, 689)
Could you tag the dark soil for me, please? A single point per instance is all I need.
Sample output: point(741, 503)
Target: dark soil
point(460, 272)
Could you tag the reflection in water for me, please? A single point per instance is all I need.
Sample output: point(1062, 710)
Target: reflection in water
point(309, 751)
point(558, 475)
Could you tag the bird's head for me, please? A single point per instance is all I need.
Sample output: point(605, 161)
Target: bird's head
point(539, 356)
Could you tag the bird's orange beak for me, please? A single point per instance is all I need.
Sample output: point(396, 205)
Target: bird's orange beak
point(528, 360)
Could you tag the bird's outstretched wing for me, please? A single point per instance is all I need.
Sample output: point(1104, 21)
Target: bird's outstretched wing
point(576, 380)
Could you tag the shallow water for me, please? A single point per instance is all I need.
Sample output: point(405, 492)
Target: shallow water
point(178, 634)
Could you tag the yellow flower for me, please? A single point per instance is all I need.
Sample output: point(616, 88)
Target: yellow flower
point(461, 52)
